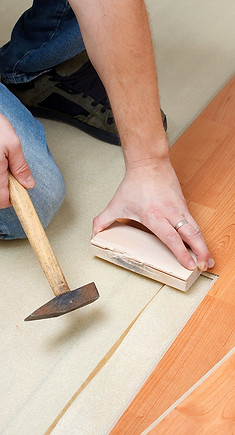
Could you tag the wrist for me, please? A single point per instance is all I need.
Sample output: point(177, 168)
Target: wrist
point(146, 153)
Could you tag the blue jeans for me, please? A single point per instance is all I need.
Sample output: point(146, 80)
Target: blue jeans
point(49, 191)
point(46, 35)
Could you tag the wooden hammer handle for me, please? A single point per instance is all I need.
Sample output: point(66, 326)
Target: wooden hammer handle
point(32, 226)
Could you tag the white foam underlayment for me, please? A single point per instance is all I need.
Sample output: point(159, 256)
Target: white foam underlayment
point(44, 363)
point(102, 402)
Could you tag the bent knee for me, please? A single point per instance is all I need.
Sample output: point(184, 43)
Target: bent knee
point(48, 196)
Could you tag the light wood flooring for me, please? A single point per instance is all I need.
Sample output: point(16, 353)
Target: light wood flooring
point(204, 159)
point(209, 409)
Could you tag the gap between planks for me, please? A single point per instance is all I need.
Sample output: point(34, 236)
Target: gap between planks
point(99, 366)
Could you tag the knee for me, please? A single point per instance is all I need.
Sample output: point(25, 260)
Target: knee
point(48, 195)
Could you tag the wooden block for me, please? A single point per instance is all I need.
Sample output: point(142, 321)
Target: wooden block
point(142, 252)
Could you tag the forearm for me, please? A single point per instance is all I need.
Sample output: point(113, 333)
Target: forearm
point(118, 40)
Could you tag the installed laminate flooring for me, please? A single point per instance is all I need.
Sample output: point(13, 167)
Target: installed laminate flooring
point(208, 409)
point(44, 364)
point(203, 158)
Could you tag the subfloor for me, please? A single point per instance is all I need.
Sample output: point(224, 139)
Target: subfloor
point(53, 371)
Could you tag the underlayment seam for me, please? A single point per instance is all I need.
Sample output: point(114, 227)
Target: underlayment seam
point(100, 365)
point(207, 275)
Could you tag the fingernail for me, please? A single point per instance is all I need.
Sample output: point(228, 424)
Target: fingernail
point(192, 265)
point(30, 181)
point(211, 263)
point(202, 266)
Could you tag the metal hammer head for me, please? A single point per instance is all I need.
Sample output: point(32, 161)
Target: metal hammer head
point(66, 302)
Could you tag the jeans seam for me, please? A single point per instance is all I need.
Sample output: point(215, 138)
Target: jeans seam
point(45, 43)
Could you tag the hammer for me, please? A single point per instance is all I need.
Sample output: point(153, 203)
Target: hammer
point(65, 300)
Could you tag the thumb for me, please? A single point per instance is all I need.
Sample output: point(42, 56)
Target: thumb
point(104, 219)
point(19, 168)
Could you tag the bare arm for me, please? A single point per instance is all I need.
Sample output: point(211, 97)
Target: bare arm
point(118, 40)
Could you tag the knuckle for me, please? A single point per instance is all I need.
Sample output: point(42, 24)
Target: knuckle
point(171, 209)
point(173, 237)
point(153, 218)
point(21, 169)
point(15, 143)
point(205, 253)
point(193, 232)
point(160, 220)
point(154, 213)
point(185, 254)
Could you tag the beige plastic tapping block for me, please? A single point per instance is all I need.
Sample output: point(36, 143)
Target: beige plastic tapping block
point(142, 252)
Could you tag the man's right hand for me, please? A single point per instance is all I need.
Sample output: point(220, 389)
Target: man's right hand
point(12, 158)
point(151, 194)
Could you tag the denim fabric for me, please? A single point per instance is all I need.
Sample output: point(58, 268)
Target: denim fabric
point(44, 36)
point(49, 191)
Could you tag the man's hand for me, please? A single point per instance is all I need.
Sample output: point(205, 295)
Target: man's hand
point(12, 158)
point(118, 41)
point(151, 195)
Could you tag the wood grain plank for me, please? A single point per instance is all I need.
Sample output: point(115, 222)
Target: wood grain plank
point(209, 409)
point(224, 288)
point(218, 230)
point(180, 368)
point(201, 214)
point(219, 233)
point(205, 152)
point(201, 138)
point(215, 176)
point(198, 143)
point(226, 101)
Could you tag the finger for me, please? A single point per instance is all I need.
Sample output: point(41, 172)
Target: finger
point(4, 192)
point(18, 166)
point(169, 236)
point(104, 220)
point(191, 234)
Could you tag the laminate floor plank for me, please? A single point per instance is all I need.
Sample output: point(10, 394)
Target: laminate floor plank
point(226, 101)
point(215, 176)
point(201, 214)
point(181, 367)
point(203, 158)
point(209, 409)
point(195, 146)
point(219, 234)
point(224, 287)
